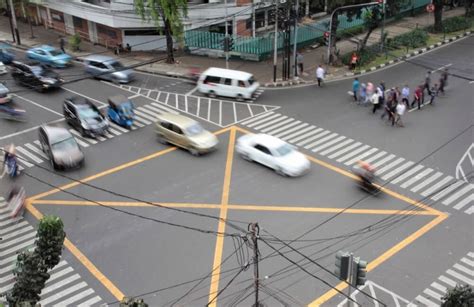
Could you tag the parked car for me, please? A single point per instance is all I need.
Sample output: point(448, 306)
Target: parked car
point(6, 56)
point(5, 96)
point(226, 82)
point(85, 117)
point(108, 68)
point(185, 132)
point(35, 76)
point(60, 147)
point(273, 153)
point(50, 56)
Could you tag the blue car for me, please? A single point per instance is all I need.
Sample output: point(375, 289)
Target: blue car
point(120, 111)
point(50, 56)
point(6, 57)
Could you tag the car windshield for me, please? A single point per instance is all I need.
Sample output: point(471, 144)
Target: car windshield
point(87, 112)
point(125, 110)
point(285, 149)
point(194, 129)
point(116, 65)
point(37, 70)
point(55, 52)
point(251, 80)
point(65, 145)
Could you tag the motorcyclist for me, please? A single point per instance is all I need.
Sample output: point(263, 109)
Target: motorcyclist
point(366, 173)
point(16, 200)
point(10, 163)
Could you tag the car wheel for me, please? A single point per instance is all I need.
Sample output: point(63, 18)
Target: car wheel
point(194, 151)
point(53, 164)
point(212, 94)
point(240, 97)
point(246, 157)
point(162, 140)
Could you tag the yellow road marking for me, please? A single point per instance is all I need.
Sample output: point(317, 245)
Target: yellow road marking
point(382, 258)
point(82, 258)
point(56, 202)
point(216, 267)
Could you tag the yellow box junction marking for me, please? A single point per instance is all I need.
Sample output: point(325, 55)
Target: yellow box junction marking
point(224, 206)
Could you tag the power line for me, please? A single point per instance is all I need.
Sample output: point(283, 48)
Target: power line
point(225, 287)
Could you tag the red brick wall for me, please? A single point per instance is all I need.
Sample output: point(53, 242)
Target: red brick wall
point(108, 36)
point(83, 31)
point(57, 20)
point(242, 28)
point(243, 2)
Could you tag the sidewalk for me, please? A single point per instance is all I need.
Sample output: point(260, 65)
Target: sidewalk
point(263, 71)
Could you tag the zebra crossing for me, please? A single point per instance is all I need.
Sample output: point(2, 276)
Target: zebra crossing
point(461, 273)
point(449, 191)
point(65, 287)
point(30, 153)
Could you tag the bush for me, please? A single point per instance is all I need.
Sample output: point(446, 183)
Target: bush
point(366, 55)
point(453, 24)
point(75, 42)
point(412, 39)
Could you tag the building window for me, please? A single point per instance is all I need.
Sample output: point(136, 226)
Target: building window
point(57, 16)
point(151, 32)
point(107, 31)
point(77, 22)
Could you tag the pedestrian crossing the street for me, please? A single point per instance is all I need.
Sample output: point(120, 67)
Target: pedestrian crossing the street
point(448, 191)
point(461, 273)
point(31, 153)
point(65, 287)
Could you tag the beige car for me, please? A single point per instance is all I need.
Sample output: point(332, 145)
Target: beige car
point(185, 132)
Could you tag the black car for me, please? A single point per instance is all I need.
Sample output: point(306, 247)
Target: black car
point(60, 147)
point(85, 117)
point(35, 75)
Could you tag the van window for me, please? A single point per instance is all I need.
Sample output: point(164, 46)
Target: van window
point(241, 83)
point(212, 79)
point(251, 80)
point(177, 129)
point(166, 125)
point(98, 65)
point(228, 81)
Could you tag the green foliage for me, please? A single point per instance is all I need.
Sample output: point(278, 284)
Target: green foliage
point(31, 275)
point(75, 42)
point(413, 39)
point(50, 239)
point(366, 55)
point(132, 302)
point(453, 24)
point(459, 296)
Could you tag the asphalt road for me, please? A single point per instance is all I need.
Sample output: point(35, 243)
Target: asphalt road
point(123, 242)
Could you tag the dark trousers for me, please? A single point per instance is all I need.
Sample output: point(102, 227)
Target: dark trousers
point(355, 95)
point(417, 100)
point(319, 81)
point(376, 106)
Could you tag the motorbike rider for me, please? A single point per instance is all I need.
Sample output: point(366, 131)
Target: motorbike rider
point(10, 163)
point(367, 172)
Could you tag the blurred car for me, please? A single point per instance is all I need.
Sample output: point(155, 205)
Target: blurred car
point(3, 69)
point(60, 147)
point(50, 56)
point(186, 133)
point(85, 117)
point(273, 153)
point(35, 76)
point(5, 95)
point(120, 111)
point(108, 68)
point(6, 56)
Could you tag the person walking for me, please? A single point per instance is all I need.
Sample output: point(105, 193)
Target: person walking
point(375, 101)
point(444, 75)
point(417, 97)
point(426, 86)
point(354, 60)
point(363, 94)
point(355, 88)
point(320, 72)
point(433, 93)
point(390, 102)
point(299, 62)
point(61, 44)
point(406, 93)
point(399, 111)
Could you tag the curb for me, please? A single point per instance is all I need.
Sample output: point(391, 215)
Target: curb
point(170, 74)
point(409, 55)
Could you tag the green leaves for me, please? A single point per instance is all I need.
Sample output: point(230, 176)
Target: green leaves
point(460, 296)
point(50, 239)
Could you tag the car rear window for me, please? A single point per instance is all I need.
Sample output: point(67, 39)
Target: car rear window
point(55, 52)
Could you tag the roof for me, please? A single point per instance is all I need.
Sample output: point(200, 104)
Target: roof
point(57, 133)
point(78, 100)
point(177, 119)
point(233, 74)
point(118, 99)
point(45, 47)
point(268, 140)
point(99, 58)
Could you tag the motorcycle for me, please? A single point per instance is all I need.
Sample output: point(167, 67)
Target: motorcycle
point(367, 181)
point(10, 111)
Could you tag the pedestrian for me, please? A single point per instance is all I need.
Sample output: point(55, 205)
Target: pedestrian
point(397, 94)
point(61, 44)
point(417, 97)
point(433, 93)
point(426, 85)
point(444, 75)
point(389, 105)
point(400, 110)
point(406, 92)
point(320, 74)
point(354, 60)
point(299, 62)
point(375, 101)
point(355, 88)
point(129, 48)
point(441, 85)
point(381, 93)
point(363, 94)
point(370, 90)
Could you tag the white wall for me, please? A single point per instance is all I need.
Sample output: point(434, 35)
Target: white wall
point(152, 42)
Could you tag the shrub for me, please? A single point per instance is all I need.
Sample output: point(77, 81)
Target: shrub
point(75, 42)
point(453, 24)
point(366, 55)
point(412, 39)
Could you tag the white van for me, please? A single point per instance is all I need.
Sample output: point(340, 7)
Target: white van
point(226, 82)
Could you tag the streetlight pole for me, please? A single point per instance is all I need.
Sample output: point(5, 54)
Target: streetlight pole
point(296, 37)
point(275, 43)
point(15, 27)
point(226, 37)
point(383, 26)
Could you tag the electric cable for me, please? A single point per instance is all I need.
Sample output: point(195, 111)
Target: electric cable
point(225, 287)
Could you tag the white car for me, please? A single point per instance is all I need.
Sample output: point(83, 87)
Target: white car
point(274, 153)
point(3, 69)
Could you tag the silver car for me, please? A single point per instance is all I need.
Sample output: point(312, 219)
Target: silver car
point(108, 68)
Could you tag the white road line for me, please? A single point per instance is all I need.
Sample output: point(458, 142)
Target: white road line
point(426, 302)
point(137, 123)
point(10, 228)
point(439, 287)
point(250, 110)
point(198, 106)
point(209, 110)
point(156, 110)
point(90, 302)
point(38, 105)
point(332, 142)
point(114, 131)
point(353, 153)
point(398, 170)
point(286, 129)
point(17, 248)
point(160, 106)
point(246, 122)
point(19, 239)
point(318, 133)
point(427, 181)
point(320, 141)
point(186, 104)
point(299, 131)
point(464, 202)
point(80, 139)
point(389, 166)
point(333, 148)
point(114, 125)
point(63, 293)
point(24, 161)
point(220, 112)
point(143, 115)
point(235, 112)
point(176, 103)
point(349, 148)
point(150, 112)
point(447, 281)
point(36, 150)
point(79, 94)
point(28, 154)
point(58, 274)
point(407, 174)
point(447, 190)
point(29, 129)
point(167, 97)
point(458, 194)
point(467, 261)
point(416, 178)
point(191, 91)
point(464, 269)
point(134, 96)
point(77, 297)
point(460, 277)
point(376, 156)
point(433, 294)
point(101, 138)
point(269, 123)
point(442, 67)
point(60, 284)
point(270, 129)
point(262, 120)
point(384, 160)
point(16, 233)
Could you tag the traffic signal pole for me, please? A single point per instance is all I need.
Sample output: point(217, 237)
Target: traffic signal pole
point(275, 43)
point(226, 37)
point(351, 277)
point(296, 37)
point(15, 27)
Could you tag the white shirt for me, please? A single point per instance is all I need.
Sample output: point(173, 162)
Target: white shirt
point(401, 108)
point(375, 98)
point(320, 73)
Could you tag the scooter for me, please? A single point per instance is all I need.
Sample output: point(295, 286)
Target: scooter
point(367, 182)
point(8, 111)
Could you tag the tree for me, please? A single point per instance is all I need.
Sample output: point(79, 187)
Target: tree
point(459, 296)
point(50, 239)
point(166, 14)
point(438, 15)
point(132, 302)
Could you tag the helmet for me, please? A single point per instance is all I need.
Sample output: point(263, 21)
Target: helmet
point(365, 165)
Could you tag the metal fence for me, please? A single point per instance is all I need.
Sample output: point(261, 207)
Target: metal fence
point(262, 46)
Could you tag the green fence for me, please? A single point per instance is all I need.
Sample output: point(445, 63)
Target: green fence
point(262, 46)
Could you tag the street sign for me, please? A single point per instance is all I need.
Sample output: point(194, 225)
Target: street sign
point(430, 8)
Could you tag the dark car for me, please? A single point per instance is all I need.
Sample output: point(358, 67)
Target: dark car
point(85, 117)
point(5, 56)
point(35, 75)
point(60, 147)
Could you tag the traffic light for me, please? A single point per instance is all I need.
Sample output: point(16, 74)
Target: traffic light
point(342, 265)
point(326, 38)
point(359, 276)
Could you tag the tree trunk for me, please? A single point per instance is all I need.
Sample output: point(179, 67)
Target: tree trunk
point(366, 38)
point(169, 41)
point(438, 15)
point(332, 48)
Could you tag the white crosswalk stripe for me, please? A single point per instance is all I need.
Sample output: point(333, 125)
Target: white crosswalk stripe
point(28, 154)
point(37, 150)
point(390, 167)
point(65, 287)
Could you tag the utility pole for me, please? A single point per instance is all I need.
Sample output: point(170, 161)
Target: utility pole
point(296, 37)
point(10, 21)
point(226, 37)
point(254, 230)
point(351, 277)
point(13, 16)
point(383, 26)
point(253, 18)
point(275, 43)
